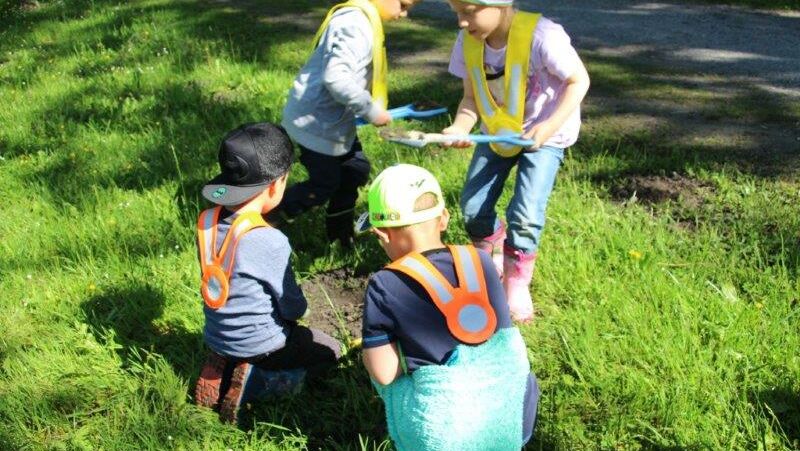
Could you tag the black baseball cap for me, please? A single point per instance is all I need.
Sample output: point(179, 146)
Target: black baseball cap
point(250, 158)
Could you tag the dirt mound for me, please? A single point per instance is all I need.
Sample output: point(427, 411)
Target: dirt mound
point(336, 298)
point(653, 189)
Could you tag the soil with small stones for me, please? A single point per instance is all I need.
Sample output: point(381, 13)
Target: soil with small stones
point(653, 189)
point(335, 299)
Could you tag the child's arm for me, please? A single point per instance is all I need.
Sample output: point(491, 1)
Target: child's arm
point(290, 300)
point(348, 45)
point(577, 84)
point(277, 275)
point(466, 116)
point(383, 363)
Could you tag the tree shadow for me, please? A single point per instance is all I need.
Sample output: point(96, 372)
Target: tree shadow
point(129, 316)
point(708, 124)
point(142, 133)
point(718, 39)
point(781, 406)
point(345, 409)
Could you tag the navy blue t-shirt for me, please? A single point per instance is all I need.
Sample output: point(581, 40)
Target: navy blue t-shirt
point(398, 310)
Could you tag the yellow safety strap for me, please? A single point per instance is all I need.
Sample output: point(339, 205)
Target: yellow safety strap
point(380, 91)
point(507, 119)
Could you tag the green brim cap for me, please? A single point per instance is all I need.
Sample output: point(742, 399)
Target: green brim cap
point(392, 196)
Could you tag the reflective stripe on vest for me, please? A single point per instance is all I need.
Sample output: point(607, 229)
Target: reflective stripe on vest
point(380, 92)
point(508, 118)
point(217, 266)
point(466, 308)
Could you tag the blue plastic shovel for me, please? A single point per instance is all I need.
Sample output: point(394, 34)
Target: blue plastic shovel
point(420, 139)
point(416, 110)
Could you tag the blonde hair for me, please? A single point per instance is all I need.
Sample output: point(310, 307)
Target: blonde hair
point(425, 201)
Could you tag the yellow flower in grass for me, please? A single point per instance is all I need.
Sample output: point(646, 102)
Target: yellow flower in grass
point(634, 254)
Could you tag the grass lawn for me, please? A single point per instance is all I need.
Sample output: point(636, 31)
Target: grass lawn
point(667, 283)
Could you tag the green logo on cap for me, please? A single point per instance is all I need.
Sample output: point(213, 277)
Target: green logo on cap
point(219, 192)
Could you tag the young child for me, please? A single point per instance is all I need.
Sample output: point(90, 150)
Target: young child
point(451, 369)
point(332, 89)
point(252, 301)
point(521, 75)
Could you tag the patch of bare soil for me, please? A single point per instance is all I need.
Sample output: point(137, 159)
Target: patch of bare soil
point(653, 189)
point(29, 5)
point(335, 299)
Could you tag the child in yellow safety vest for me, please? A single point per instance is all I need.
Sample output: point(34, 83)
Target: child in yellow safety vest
point(522, 76)
point(343, 79)
point(438, 339)
point(252, 301)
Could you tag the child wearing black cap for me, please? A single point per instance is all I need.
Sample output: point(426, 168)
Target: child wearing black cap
point(252, 301)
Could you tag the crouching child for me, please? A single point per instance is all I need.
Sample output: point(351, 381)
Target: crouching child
point(438, 340)
point(252, 301)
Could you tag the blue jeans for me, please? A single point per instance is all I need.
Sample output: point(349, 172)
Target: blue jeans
point(525, 215)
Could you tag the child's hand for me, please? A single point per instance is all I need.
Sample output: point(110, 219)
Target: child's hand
point(453, 130)
point(539, 134)
point(382, 119)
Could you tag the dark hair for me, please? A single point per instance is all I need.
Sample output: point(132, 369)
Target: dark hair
point(273, 147)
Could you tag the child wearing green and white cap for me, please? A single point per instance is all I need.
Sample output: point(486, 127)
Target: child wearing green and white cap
point(438, 339)
point(522, 76)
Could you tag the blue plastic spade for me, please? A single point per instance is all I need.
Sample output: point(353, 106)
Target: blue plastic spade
point(416, 110)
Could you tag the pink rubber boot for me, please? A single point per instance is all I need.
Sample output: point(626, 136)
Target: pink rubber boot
point(493, 245)
point(518, 269)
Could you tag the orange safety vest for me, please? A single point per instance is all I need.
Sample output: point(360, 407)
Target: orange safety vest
point(217, 266)
point(469, 314)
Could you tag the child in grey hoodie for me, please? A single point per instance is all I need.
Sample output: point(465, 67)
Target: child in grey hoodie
point(344, 78)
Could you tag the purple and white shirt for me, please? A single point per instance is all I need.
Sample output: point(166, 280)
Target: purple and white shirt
point(553, 60)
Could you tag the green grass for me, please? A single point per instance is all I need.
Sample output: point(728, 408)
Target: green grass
point(654, 334)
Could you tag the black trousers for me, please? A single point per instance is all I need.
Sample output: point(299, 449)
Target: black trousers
point(334, 180)
point(306, 348)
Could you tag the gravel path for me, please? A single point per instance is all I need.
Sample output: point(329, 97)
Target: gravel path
point(758, 47)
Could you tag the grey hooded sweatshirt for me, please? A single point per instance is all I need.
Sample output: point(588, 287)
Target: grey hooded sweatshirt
point(333, 88)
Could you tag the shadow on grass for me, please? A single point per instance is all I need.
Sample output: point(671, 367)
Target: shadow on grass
point(659, 177)
point(689, 120)
point(782, 406)
point(141, 133)
point(333, 410)
point(128, 316)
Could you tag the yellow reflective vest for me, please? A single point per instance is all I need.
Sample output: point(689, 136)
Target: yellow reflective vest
point(379, 62)
point(508, 118)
